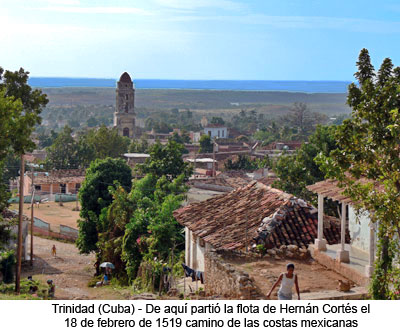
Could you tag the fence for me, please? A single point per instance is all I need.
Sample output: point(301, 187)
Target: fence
point(45, 229)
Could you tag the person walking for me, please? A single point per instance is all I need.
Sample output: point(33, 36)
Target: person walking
point(54, 250)
point(287, 281)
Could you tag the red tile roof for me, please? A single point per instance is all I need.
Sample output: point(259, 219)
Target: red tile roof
point(231, 220)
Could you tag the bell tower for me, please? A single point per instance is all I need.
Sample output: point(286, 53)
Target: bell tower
point(124, 115)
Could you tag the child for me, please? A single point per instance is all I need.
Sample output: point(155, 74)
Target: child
point(287, 281)
point(54, 250)
point(52, 288)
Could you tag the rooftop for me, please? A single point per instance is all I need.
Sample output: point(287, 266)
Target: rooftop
point(60, 176)
point(125, 77)
point(255, 213)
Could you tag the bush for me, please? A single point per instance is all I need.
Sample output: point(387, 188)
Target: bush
point(7, 262)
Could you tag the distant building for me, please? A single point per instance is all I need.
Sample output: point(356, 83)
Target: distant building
point(124, 116)
point(216, 131)
point(136, 158)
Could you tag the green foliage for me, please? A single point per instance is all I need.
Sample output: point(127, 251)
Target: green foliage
point(244, 162)
point(7, 263)
point(139, 146)
point(94, 195)
point(217, 120)
point(106, 142)
point(166, 160)
point(66, 153)
point(369, 150)
point(297, 171)
point(206, 145)
point(261, 249)
point(20, 107)
point(303, 120)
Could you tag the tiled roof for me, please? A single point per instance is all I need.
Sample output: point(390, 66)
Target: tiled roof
point(231, 220)
point(296, 223)
point(61, 176)
point(331, 189)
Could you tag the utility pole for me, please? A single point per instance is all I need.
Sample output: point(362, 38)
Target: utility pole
point(213, 165)
point(32, 219)
point(21, 208)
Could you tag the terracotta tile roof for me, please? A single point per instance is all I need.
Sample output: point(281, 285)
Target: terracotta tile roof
point(227, 220)
point(296, 223)
point(61, 176)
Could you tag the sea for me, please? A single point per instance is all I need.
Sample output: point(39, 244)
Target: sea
point(243, 85)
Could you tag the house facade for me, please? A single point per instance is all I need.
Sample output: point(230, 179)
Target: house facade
point(359, 253)
point(216, 131)
point(54, 182)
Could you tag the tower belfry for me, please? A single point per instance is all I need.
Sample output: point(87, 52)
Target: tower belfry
point(124, 116)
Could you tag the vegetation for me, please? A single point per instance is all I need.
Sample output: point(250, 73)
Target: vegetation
point(244, 162)
point(297, 171)
point(94, 196)
point(368, 149)
point(206, 145)
point(20, 107)
point(134, 226)
point(166, 160)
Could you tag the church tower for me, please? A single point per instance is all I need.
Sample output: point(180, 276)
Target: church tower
point(124, 116)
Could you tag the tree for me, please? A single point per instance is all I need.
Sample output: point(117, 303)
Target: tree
point(63, 153)
point(21, 107)
point(301, 118)
point(217, 120)
point(94, 195)
point(206, 145)
point(166, 160)
point(369, 147)
point(137, 146)
point(297, 171)
point(107, 143)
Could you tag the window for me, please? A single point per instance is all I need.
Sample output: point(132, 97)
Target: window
point(223, 133)
point(219, 135)
point(127, 96)
point(63, 188)
point(77, 186)
point(38, 187)
point(125, 132)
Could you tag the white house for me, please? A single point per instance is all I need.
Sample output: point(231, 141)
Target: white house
point(216, 131)
point(359, 254)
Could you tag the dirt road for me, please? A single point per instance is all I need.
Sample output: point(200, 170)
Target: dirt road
point(69, 270)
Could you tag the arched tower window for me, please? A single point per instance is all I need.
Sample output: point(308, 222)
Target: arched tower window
point(125, 132)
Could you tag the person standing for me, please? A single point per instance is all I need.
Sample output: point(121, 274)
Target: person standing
point(287, 280)
point(54, 250)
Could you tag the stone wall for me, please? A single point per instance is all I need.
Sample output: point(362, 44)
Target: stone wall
point(223, 280)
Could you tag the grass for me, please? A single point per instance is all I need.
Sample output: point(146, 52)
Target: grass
point(7, 291)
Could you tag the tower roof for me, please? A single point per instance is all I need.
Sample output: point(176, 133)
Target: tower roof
point(125, 77)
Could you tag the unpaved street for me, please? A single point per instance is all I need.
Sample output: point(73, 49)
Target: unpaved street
point(69, 270)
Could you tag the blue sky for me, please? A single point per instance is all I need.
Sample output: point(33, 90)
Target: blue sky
point(197, 39)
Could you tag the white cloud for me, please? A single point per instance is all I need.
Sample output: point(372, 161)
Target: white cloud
point(196, 4)
point(97, 10)
point(299, 22)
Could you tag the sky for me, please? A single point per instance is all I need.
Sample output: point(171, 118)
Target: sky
point(197, 39)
